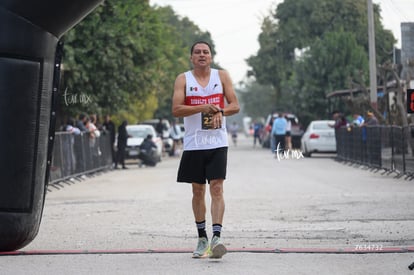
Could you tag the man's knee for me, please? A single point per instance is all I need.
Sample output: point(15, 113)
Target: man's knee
point(198, 190)
point(216, 188)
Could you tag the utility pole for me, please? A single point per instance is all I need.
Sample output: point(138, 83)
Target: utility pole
point(372, 56)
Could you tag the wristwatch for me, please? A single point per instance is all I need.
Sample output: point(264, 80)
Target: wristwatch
point(222, 111)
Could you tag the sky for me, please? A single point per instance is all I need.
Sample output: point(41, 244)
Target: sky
point(235, 25)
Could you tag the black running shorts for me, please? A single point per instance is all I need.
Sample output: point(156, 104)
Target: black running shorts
point(200, 165)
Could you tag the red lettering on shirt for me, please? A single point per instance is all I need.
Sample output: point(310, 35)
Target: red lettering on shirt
point(216, 99)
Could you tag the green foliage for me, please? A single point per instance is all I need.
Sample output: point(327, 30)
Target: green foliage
point(333, 35)
point(110, 56)
point(123, 58)
point(329, 65)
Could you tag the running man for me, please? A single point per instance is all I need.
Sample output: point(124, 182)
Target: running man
point(199, 97)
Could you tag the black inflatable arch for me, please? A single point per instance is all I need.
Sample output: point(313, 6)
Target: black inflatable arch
point(29, 77)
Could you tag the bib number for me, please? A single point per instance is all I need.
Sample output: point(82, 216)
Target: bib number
point(206, 121)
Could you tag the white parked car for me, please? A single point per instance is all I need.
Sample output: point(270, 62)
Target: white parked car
point(319, 137)
point(138, 133)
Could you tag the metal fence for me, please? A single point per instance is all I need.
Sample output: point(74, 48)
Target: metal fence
point(75, 155)
point(388, 148)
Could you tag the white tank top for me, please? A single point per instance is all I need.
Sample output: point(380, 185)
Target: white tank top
point(197, 135)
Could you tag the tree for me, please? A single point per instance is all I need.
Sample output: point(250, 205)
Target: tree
point(299, 25)
point(329, 65)
point(124, 58)
point(111, 57)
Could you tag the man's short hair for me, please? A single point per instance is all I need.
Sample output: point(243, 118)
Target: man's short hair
point(200, 42)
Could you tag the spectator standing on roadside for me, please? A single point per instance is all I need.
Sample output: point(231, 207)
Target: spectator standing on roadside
point(81, 122)
point(95, 120)
point(374, 152)
point(109, 127)
point(122, 143)
point(70, 127)
point(160, 128)
point(339, 121)
point(70, 161)
point(176, 135)
point(94, 135)
point(371, 119)
point(257, 131)
point(358, 120)
point(279, 133)
point(92, 128)
point(79, 143)
point(234, 129)
point(269, 130)
point(288, 138)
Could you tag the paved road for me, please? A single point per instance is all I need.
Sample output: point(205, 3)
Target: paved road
point(283, 216)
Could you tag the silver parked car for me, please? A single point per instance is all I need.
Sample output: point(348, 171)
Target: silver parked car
point(319, 137)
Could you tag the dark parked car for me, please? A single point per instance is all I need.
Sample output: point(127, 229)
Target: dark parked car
point(296, 131)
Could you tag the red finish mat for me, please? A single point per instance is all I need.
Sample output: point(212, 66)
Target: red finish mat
point(355, 250)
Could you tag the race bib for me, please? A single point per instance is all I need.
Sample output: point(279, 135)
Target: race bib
point(206, 121)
